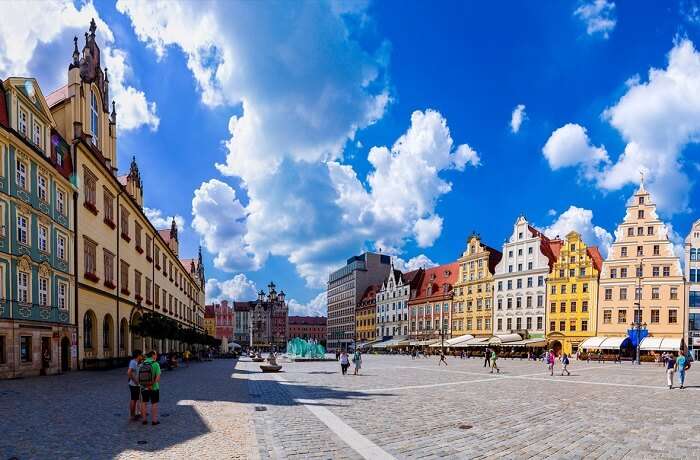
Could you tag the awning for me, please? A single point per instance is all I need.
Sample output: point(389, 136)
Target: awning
point(390, 343)
point(454, 341)
point(528, 343)
point(660, 344)
point(422, 343)
point(475, 342)
point(504, 339)
point(603, 343)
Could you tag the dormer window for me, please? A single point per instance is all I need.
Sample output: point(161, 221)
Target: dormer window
point(94, 118)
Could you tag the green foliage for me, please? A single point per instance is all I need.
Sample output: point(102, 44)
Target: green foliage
point(157, 326)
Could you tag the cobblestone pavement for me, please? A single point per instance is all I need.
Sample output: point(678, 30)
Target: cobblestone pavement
point(398, 408)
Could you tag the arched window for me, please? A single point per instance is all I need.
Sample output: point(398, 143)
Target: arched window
point(107, 332)
point(94, 118)
point(87, 330)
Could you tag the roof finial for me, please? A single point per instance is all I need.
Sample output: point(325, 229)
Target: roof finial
point(113, 115)
point(76, 54)
point(93, 28)
point(641, 174)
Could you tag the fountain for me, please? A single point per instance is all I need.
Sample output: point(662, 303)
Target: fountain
point(303, 350)
point(272, 365)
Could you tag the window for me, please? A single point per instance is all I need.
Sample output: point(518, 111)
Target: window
point(655, 293)
point(608, 293)
point(519, 283)
point(36, 135)
point(528, 302)
point(654, 315)
point(573, 306)
point(519, 303)
point(673, 316)
point(584, 325)
point(520, 267)
point(584, 306)
point(22, 122)
point(3, 359)
point(585, 287)
point(500, 283)
point(582, 272)
point(90, 253)
point(654, 271)
point(630, 231)
point(613, 273)
point(109, 268)
point(623, 293)
point(640, 231)
point(529, 281)
point(94, 119)
point(509, 303)
point(510, 284)
point(562, 289)
point(43, 290)
point(539, 322)
point(637, 316)
point(90, 189)
point(61, 247)
point(25, 348)
point(148, 290)
point(640, 251)
point(540, 281)
point(562, 307)
point(640, 214)
point(562, 325)
point(573, 289)
point(674, 293)
point(137, 234)
point(124, 222)
point(43, 238)
point(641, 200)
point(21, 175)
point(500, 324)
point(108, 201)
point(572, 325)
point(509, 323)
point(137, 283)
point(623, 272)
point(124, 277)
point(540, 300)
point(623, 251)
point(61, 294)
point(529, 265)
point(622, 316)
point(42, 189)
point(61, 202)
point(656, 249)
point(148, 247)
point(87, 330)
point(23, 287)
point(650, 230)
point(667, 271)
point(607, 316)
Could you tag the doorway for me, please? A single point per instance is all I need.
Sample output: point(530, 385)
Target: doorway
point(45, 355)
point(65, 354)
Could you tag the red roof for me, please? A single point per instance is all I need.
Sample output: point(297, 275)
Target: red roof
point(165, 234)
point(308, 320)
point(57, 96)
point(595, 256)
point(370, 293)
point(243, 306)
point(438, 282)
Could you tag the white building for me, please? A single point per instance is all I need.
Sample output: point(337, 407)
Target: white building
point(392, 302)
point(692, 276)
point(520, 279)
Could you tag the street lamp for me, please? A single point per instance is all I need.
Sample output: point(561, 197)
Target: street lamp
point(637, 323)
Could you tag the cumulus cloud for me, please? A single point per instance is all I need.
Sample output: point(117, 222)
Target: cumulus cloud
point(298, 106)
point(517, 118)
point(580, 220)
point(570, 146)
point(414, 263)
point(318, 306)
point(657, 119)
point(161, 221)
point(219, 218)
point(36, 39)
point(238, 288)
point(598, 15)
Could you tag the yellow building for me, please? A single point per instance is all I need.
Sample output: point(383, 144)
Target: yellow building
point(210, 321)
point(572, 295)
point(125, 266)
point(472, 306)
point(366, 315)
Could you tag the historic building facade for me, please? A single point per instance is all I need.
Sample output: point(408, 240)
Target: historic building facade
point(572, 295)
point(241, 322)
point(366, 315)
point(210, 320)
point(125, 266)
point(308, 328)
point(520, 279)
point(345, 289)
point(392, 302)
point(224, 320)
point(430, 309)
point(641, 282)
point(268, 320)
point(37, 302)
point(472, 309)
point(692, 276)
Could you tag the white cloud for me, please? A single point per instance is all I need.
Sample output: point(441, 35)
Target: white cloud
point(318, 306)
point(658, 119)
point(161, 222)
point(300, 105)
point(419, 261)
point(570, 146)
point(598, 15)
point(581, 221)
point(517, 118)
point(552, 212)
point(36, 39)
point(219, 218)
point(238, 288)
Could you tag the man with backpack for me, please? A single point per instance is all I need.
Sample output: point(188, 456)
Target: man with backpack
point(149, 381)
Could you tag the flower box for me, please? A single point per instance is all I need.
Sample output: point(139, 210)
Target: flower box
point(90, 207)
point(91, 277)
point(110, 284)
point(126, 237)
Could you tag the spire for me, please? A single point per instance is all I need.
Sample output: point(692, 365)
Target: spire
point(113, 115)
point(93, 28)
point(105, 92)
point(76, 55)
point(173, 230)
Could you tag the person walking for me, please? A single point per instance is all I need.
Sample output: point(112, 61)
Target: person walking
point(134, 388)
point(357, 361)
point(565, 364)
point(494, 365)
point(149, 380)
point(344, 362)
point(670, 366)
point(682, 365)
point(550, 362)
point(442, 358)
point(487, 357)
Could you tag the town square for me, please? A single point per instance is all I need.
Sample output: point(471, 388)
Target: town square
point(398, 407)
point(372, 229)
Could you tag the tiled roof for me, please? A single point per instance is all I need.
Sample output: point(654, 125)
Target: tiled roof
point(595, 256)
point(437, 277)
point(57, 96)
point(165, 234)
point(243, 306)
point(370, 292)
point(122, 179)
point(308, 320)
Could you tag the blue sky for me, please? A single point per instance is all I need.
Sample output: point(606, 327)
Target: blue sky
point(298, 136)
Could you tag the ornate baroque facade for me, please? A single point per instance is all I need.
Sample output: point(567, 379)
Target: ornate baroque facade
point(430, 310)
point(392, 302)
point(268, 320)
